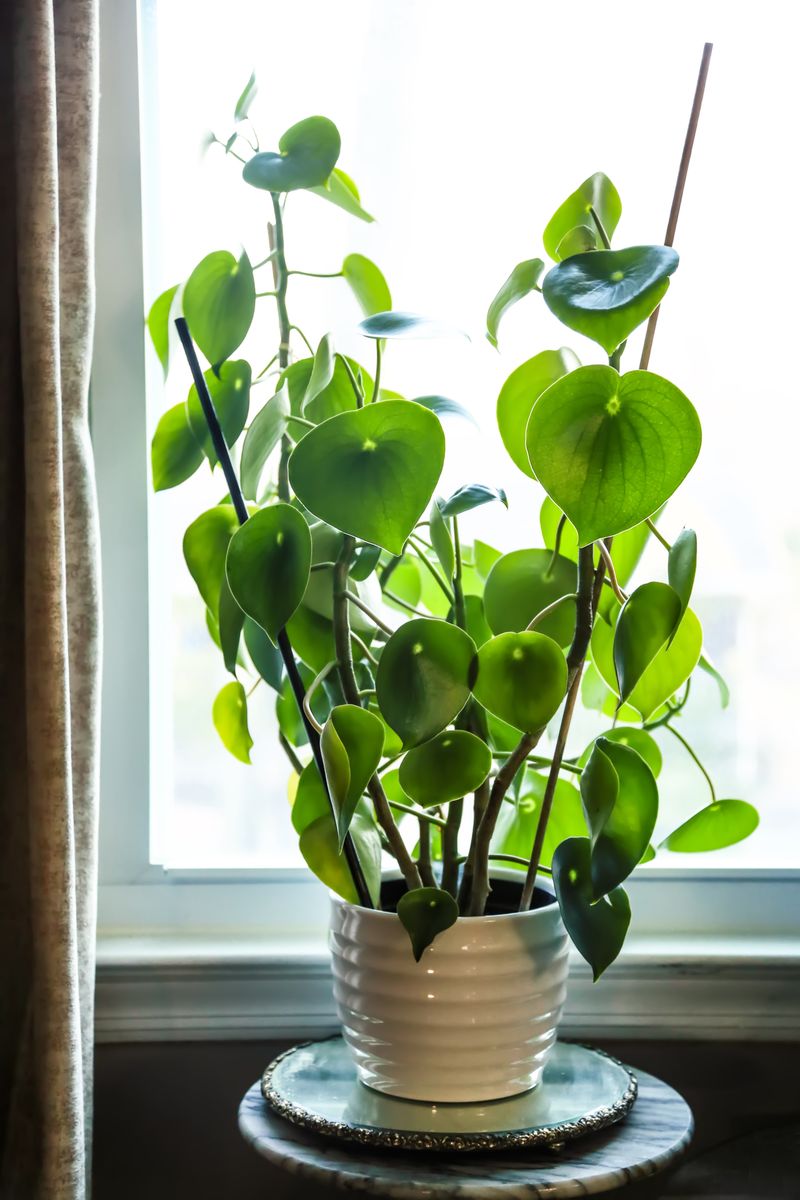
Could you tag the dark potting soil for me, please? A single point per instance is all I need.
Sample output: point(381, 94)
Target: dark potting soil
point(504, 896)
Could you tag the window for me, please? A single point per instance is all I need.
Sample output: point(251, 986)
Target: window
point(463, 132)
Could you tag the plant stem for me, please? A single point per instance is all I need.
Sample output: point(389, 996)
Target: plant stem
point(364, 648)
point(376, 620)
point(357, 389)
point(611, 572)
point(418, 612)
point(503, 780)
point(459, 609)
point(479, 806)
point(385, 819)
point(550, 609)
point(312, 687)
point(693, 755)
point(309, 347)
point(450, 846)
point(424, 856)
point(515, 858)
point(281, 281)
point(437, 575)
point(651, 525)
point(556, 546)
point(415, 812)
point(376, 386)
point(288, 749)
point(604, 238)
point(319, 274)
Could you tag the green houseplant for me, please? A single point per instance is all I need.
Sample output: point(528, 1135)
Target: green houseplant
point(425, 683)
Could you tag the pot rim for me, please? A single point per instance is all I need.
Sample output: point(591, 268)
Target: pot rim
point(505, 873)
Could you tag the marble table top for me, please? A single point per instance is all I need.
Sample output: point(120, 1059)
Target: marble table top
point(654, 1134)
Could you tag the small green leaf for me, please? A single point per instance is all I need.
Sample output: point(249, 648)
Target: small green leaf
point(247, 97)
point(648, 620)
point(609, 449)
point(445, 768)
point(175, 452)
point(620, 800)
point(231, 620)
point(682, 565)
point(425, 913)
point(321, 372)
point(406, 325)
point(522, 678)
point(597, 928)
point(366, 453)
point(671, 667)
point(520, 392)
point(266, 430)
point(205, 545)
point(230, 395)
point(638, 740)
point(705, 664)
point(268, 565)
point(218, 302)
point(444, 407)
point(606, 294)
point(471, 495)
point(521, 584)
point(485, 557)
point(307, 154)
point(311, 636)
point(310, 800)
point(341, 190)
point(597, 192)
point(158, 325)
point(714, 827)
point(319, 846)
point(352, 745)
point(230, 720)
point(423, 678)
point(367, 284)
point(365, 562)
point(441, 540)
point(337, 397)
point(266, 657)
point(522, 280)
point(517, 824)
point(578, 241)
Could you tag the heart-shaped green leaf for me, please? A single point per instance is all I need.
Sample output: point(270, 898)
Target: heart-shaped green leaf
point(390, 452)
point(597, 928)
point(522, 280)
point(205, 545)
point(158, 325)
point(175, 452)
point(265, 656)
point(446, 768)
point(268, 565)
point(266, 430)
point(611, 449)
point(218, 302)
point(341, 190)
point(517, 824)
point(424, 913)
point(352, 745)
point(441, 540)
point(307, 154)
point(230, 720)
point(579, 240)
point(671, 667)
point(230, 394)
point(682, 565)
point(471, 495)
point(423, 678)
point(524, 582)
point(605, 294)
point(319, 846)
point(637, 739)
point(620, 800)
point(444, 407)
point(648, 620)
point(720, 824)
point(520, 392)
point(406, 325)
point(367, 284)
point(522, 678)
point(598, 193)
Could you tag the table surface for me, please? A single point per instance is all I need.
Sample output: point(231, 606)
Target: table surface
point(654, 1135)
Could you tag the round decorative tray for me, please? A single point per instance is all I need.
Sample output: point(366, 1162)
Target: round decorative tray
point(582, 1091)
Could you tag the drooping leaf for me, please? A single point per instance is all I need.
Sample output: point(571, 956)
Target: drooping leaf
point(596, 192)
point(446, 768)
point(321, 371)
point(441, 540)
point(522, 678)
point(205, 545)
point(230, 395)
point(471, 495)
point(319, 846)
point(671, 667)
point(266, 430)
point(175, 452)
point(266, 657)
point(268, 565)
point(423, 678)
point(705, 664)
point(520, 392)
point(597, 928)
point(367, 284)
point(218, 302)
point(231, 620)
point(521, 584)
point(609, 449)
point(249, 93)
point(341, 190)
point(406, 325)
point(230, 720)
point(158, 325)
point(579, 240)
point(352, 745)
point(720, 824)
point(637, 739)
point(390, 452)
point(307, 153)
point(522, 280)
point(682, 565)
point(620, 800)
point(365, 562)
point(648, 620)
point(517, 824)
point(605, 294)
point(424, 913)
point(444, 407)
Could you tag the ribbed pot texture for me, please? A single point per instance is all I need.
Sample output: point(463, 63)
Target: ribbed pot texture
point(473, 1020)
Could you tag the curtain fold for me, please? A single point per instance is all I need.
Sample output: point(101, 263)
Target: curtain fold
point(49, 597)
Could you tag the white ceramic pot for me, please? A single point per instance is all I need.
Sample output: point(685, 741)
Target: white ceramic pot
point(473, 1020)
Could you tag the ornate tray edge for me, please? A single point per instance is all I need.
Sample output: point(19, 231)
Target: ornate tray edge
point(551, 1137)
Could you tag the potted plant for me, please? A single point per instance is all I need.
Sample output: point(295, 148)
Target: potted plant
point(424, 682)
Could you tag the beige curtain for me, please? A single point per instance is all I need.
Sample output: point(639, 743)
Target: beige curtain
point(49, 603)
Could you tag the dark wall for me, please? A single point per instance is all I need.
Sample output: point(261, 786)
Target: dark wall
point(165, 1121)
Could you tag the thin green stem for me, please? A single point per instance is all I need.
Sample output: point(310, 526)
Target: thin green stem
point(297, 329)
point(604, 238)
point(437, 575)
point(260, 294)
point(281, 280)
point(550, 609)
point(376, 620)
point(376, 386)
point(319, 274)
point(556, 545)
point(424, 865)
point(418, 612)
point(651, 525)
point(315, 683)
point(288, 750)
point(692, 754)
point(362, 645)
point(450, 846)
point(459, 609)
point(356, 386)
point(611, 571)
point(301, 421)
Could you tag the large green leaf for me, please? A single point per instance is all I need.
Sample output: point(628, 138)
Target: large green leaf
point(311, 800)
point(265, 656)
point(341, 190)
point(637, 739)
point(681, 566)
point(230, 394)
point(371, 472)
point(611, 449)
point(471, 495)
point(175, 452)
point(620, 800)
point(218, 302)
point(406, 325)
point(319, 846)
point(230, 720)
point(352, 745)
point(268, 565)
point(308, 152)
point(445, 768)
point(649, 618)
point(597, 192)
point(517, 824)
point(266, 430)
point(423, 678)
point(671, 667)
point(522, 678)
point(205, 545)
point(158, 325)
point(424, 913)
point(720, 824)
point(367, 284)
point(522, 583)
point(522, 280)
point(597, 928)
point(520, 392)
point(605, 294)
